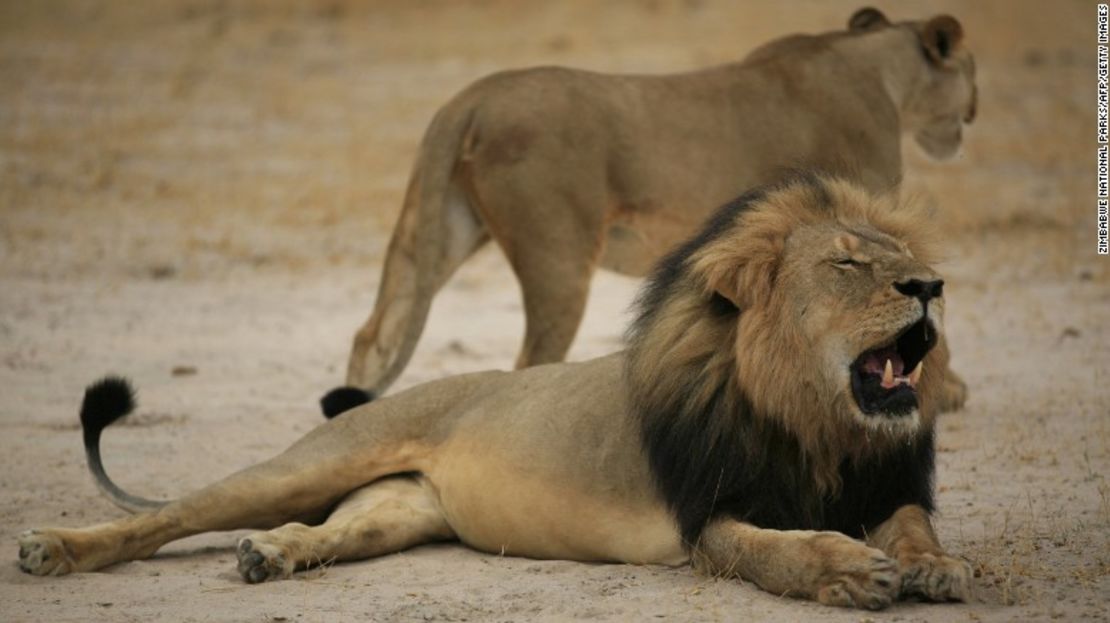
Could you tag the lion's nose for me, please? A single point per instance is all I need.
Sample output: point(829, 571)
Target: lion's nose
point(922, 290)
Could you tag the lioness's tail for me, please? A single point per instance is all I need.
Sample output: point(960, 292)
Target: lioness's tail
point(438, 229)
point(106, 401)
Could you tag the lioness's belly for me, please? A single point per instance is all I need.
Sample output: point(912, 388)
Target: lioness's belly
point(508, 508)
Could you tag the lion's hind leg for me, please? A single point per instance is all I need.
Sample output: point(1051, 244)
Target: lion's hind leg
point(383, 517)
point(302, 482)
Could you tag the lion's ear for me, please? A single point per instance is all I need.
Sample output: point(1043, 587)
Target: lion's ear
point(742, 273)
point(867, 18)
point(940, 36)
point(725, 283)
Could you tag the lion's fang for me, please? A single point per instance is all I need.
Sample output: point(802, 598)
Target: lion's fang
point(915, 376)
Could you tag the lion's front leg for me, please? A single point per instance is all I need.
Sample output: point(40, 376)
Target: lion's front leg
point(829, 567)
point(926, 570)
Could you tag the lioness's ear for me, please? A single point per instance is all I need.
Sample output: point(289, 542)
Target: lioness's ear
point(867, 18)
point(940, 36)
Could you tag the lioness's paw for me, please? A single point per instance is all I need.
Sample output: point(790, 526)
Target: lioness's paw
point(953, 393)
point(851, 574)
point(936, 577)
point(260, 561)
point(43, 553)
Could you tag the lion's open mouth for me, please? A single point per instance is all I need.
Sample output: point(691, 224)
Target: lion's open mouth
point(884, 379)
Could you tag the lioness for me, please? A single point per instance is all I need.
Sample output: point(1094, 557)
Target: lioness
point(772, 420)
point(568, 170)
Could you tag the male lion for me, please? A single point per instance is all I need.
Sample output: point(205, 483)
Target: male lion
point(772, 420)
point(570, 170)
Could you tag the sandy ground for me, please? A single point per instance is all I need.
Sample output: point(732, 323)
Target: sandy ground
point(210, 185)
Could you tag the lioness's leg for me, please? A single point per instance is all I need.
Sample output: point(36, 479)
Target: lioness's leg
point(549, 217)
point(384, 517)
point(926, 570)
point(554, 259)
point(428, 245)
point(827, 566)
point(553, 306)
point(953, 390)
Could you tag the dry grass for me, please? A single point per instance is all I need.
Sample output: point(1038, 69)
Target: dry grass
point(193, 122)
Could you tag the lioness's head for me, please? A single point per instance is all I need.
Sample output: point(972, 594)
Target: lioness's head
point(939, 94)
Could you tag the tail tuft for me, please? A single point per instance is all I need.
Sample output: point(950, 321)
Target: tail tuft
point(106, 401)
point(343, 399)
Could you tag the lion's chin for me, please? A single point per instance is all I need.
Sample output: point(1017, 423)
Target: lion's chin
point(884, 379)
point(905, 425)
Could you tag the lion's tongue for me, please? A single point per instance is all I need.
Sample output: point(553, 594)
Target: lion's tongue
point(875, 362)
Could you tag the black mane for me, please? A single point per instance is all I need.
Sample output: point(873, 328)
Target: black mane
point(716, 457)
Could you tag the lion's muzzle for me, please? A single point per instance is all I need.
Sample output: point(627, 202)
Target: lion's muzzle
point(884, 379)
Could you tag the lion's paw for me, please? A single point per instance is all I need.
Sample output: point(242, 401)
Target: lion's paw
point(260, 561)
point(43, 553)
point(937, 577)
point(852, 574)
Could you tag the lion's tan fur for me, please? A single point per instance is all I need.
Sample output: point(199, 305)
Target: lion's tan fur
point(570, 170)
point(548, 462)
point(682, 347)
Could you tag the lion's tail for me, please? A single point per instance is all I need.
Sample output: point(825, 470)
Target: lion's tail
point(106, 401)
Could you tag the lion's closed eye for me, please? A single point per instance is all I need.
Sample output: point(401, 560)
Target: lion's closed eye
point(848, 263)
